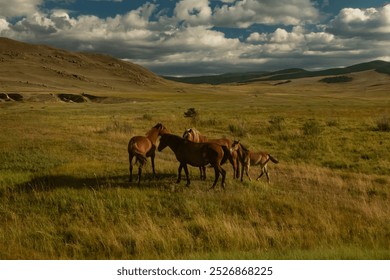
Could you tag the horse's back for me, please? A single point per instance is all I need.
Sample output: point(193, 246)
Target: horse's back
point(257, 158)
point(139, 143)
point(199, 154)
point(222, 141)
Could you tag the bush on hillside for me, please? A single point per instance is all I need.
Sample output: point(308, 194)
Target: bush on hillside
point(337, 79)
point(311, 128)
point(383, 124)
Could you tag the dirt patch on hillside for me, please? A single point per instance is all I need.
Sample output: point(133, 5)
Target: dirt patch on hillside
point(70, 98)
point(64, 97)
point(11, 97)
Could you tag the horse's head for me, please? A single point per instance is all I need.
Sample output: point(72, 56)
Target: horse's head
point(163, 142)
point(187, 135)
point(161, 129)
point(235, 146)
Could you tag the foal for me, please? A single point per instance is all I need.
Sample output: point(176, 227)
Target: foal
point(196, 154)
point(192, 134)
point(249, 158)
point(142, 147)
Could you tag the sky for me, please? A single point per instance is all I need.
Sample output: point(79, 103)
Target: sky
point(205, 37)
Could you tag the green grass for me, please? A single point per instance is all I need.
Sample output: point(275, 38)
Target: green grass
point(64, 191)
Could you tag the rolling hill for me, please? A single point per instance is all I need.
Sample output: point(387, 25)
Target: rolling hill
point(286, 74)
point(39, 68)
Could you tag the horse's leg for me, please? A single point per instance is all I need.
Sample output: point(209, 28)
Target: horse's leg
point(233, 161)
point(266, 173)
point(237, 168)
point(139, 173)
point(263, 170)
point(217, 172)
point(242, 172)
point(152, 160)
point(187, 175)
point(247, 172)
point(131, 166)
point(201, 172)
point(223, 172)
point(234, 168)
point(204, 172)
point(179, 174)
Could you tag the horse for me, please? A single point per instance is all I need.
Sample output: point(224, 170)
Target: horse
point(249, 158)
point(196, 154)
point(192, 134)
point(142, 147)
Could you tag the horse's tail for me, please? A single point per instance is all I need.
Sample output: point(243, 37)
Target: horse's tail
point(140, 158)
point(273, 159)
point(226, 155)
point(132, 149)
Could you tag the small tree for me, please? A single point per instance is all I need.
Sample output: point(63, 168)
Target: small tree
point(192, 114)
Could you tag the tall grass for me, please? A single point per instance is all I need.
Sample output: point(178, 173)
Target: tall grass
point(64, 191)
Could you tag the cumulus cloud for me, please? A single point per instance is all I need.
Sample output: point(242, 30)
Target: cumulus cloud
point(17, 8)
point(247, 12)
point(369, 22)
point(4, 25)
point(193, 12)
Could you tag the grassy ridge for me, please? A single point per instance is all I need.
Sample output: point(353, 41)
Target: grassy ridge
point(64, 191)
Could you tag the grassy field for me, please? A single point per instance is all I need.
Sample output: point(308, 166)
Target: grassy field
point(65, 194)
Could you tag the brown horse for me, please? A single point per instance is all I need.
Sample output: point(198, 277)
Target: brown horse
point(196, 154)
point(142, 147)
point(249, 158)
point(192, 134)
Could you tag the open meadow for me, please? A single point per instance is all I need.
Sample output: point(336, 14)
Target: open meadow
point(64, 190)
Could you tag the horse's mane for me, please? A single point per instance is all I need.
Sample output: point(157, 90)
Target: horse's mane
point(157, 127)
point(246, 150)
point(195, 133)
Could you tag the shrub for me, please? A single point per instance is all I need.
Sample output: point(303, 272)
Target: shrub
point(117, 125)
point(311, 128)
point(337, 79)
point(192, 114)
point(332, 123)
point(237, 130)
point(383, 124)
point(276, 123)
point(147, 117)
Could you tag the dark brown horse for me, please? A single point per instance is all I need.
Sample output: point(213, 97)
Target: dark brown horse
point(249, 158)
point(196, 154)
point(142, 147)
point(192, 134)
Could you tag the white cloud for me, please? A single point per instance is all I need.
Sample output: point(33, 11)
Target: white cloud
point(248, 12)
point(4, 25)
point(17, 8)
point(193, 12)
point(369, 22)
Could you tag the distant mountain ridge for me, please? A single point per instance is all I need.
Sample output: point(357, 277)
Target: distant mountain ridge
point(286, 74)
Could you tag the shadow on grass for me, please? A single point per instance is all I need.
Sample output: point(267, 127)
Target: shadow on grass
point(50, 182)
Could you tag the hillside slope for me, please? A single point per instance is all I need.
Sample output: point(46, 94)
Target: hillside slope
point(38, 68)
